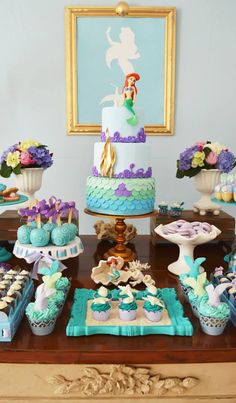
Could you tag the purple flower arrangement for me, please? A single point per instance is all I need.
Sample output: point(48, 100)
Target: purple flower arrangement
point(25, 154)
point(204, 155)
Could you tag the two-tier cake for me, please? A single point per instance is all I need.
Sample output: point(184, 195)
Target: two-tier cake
point(121, 182)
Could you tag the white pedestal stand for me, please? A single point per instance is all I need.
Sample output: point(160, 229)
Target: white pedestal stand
point(186, 247)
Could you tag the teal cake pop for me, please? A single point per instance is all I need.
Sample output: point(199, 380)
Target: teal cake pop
point(23, 234)
point(39, 237)
point(33, 224)
point(73, 230)
point(49, 226)
point(60, 236)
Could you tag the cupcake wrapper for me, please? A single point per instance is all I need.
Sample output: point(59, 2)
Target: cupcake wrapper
point(185, 289)
point(127, 315)
point(153, 316)
point(101, 316)
point(195, 310)
point(213, 326)
point(60, 309)
point(42, 328)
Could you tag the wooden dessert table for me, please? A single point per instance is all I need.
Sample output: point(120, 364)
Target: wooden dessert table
point(57, 368)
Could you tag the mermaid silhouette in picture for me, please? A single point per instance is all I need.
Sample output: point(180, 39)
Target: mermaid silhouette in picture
point(123, 51)
point(129, 96)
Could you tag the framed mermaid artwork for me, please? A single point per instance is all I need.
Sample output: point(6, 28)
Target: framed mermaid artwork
point(104, 45)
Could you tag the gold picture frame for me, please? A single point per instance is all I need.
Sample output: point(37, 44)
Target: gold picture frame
point(72, 14)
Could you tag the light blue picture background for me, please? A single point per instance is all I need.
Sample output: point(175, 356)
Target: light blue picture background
point(95, 77)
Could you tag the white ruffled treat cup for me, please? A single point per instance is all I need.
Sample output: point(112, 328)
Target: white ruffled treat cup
point(42, 328)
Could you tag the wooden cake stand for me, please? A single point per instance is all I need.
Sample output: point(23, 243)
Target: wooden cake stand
point(120, 249)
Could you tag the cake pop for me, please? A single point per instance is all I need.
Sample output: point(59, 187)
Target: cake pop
point(39, 236)
point(73, 229)
point(60, 235)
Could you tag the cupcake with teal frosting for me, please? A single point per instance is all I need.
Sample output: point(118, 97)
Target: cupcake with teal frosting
point(195, 270)
point(101, 309)
point(194, 301)
point(128, 308)
point(103, 292)
point(153, 308)
point(214, 314)
point(152, 290)
point(125, 291)
point(41, 315)
point(63, 284)
point(58, 298)
point(198, 291)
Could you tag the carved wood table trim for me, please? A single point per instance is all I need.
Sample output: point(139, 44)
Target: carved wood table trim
point(53, 368)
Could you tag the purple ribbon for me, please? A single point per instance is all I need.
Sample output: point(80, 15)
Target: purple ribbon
point(36, 257)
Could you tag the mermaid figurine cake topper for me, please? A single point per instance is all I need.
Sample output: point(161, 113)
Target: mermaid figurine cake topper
point(129, 96)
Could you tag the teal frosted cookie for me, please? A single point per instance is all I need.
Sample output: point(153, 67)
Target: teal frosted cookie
point(60, 236)
point(39, 237)
point(23, 234)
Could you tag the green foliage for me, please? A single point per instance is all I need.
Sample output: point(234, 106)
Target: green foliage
point(17, 169)
point(5, 170)
point(190, 172)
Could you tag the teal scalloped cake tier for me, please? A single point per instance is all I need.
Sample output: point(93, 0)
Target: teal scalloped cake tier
point(220, 312)
point(120, 196)
point(41, 316)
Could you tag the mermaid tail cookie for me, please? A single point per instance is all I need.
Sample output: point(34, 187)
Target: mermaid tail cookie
point(128, 104)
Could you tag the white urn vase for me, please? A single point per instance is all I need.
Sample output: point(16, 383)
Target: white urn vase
point(205, 182)
point(28, 182)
